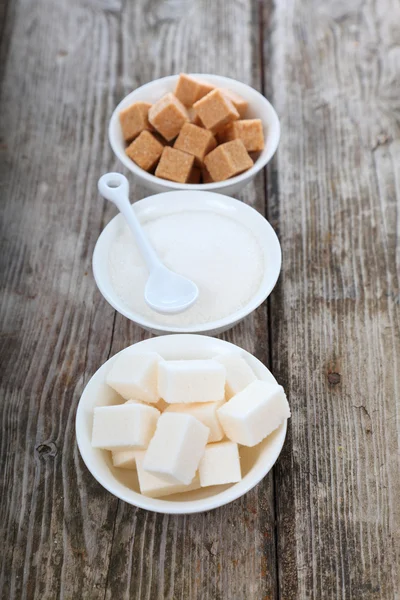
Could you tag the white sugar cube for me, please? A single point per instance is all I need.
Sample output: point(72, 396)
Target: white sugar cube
point(161, 405)
point(155, 487)
point(239, 374)
point(176, 448)
point(182, 381)
point(206, 412)
point(254, 413)
point(134, 375)
point(137, 402)
point(124, 426)
point(125, 459)
point(220, 464)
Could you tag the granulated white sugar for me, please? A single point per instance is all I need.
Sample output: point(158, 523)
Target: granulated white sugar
point(216, 252)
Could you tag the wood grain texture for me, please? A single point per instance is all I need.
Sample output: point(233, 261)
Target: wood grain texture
point(56, 521)
point(332, 70)
point(334, 193)
point(66, 65)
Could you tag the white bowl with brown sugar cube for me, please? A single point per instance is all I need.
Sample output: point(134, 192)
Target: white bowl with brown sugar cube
point(181, 424)
point(196, 131)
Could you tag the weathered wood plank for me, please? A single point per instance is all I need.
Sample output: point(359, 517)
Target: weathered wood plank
point(63, 535)
point(334, 192)
point(57, 91)
point(229, 552)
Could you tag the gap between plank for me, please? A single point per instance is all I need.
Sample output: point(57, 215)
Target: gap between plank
point(264, 20)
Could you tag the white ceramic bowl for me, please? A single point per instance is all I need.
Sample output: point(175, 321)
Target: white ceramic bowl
point(173, 202)
point(259, 107)
point(256, 462)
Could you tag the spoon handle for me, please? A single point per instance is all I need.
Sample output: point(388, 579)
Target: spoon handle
point(115, 187)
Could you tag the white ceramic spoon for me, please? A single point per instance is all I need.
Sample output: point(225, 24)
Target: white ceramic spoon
point(165, 292)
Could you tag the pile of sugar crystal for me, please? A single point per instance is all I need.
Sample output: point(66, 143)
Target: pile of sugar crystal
point(219, 254)
point(180, 423)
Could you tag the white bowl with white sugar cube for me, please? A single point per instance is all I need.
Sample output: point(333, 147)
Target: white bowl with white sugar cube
point(181, 424)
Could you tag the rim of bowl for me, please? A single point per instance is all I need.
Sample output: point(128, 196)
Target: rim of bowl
point(260, 296)
point(261, 161)
point(163, 505)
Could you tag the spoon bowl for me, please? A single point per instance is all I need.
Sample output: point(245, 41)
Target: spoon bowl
point(165, 291)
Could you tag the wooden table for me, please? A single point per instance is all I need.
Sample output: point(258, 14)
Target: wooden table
point(325, 523)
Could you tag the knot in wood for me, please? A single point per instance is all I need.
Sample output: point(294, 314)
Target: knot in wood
point(334, 378)
point(46, 449)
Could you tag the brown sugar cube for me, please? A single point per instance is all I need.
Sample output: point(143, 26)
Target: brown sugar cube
point(220, 135)
point(250, 131)
point(206, 175)
point(194, 117)
point(145, 150)
point(204, 88)
point(175, 165)
point(162, 140)
point(134, 120)
point(228, 160)
point(197, 121)
point(168, 115)
point(216, 111)
point(195, 140)
point(195, 175)
point(238, 102)
point(189, 89)
point(254, 156)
